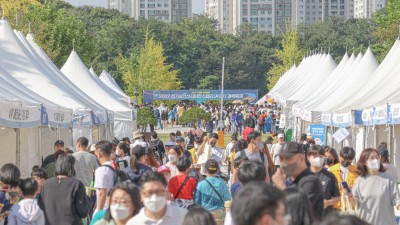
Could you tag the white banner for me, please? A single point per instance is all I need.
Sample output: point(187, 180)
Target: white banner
point(326, 119)
point(395, 113)
point(306, 115)
point(367, 116)
point(341, 119)
point(16, 114)
point(282, 121)
point(340, 135)
point(59, 117)
point(380, 115)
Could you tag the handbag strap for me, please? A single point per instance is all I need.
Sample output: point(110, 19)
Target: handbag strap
point(215, 190)
point(180, 188)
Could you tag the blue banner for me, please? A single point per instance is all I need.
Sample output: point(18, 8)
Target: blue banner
point(318, 132)
point(250, 95)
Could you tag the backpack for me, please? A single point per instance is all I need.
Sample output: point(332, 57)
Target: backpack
point(119, 175)
point(243, 153)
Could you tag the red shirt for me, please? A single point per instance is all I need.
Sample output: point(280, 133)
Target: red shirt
point(187, 190)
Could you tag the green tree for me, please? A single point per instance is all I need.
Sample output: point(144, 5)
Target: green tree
point(149, 70)
point(193, 115)
point(209, 82)
point(289, 55)
point(146, 116)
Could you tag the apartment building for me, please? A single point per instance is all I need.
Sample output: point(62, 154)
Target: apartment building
point(366, 8)
point(165, 10)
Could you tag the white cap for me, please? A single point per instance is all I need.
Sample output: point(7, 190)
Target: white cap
point(281, 135)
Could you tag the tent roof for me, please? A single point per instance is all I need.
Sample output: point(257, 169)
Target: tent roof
point(76, 71)
point(106, 78)
point(19, 62)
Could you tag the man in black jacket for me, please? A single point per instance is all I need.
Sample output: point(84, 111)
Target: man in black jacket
point(293, 165)
point(250, 122)
point(58, 145)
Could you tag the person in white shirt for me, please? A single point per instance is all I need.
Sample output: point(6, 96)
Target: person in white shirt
point(214, 152)
point(85, 163)
point(156, 211)
point(137, 139)
point(276, 149)
point(104, 175)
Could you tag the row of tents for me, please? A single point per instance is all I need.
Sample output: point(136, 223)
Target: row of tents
point(358, 94)
point(40, 103)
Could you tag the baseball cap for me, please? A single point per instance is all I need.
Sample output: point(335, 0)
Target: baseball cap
point(212, 165)
point(179, 138)
point(291, 148)
point(59, 142)
point(163, 168)
point(281, 135)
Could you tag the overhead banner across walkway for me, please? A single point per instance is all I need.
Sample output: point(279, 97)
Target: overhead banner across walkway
point(250, 95)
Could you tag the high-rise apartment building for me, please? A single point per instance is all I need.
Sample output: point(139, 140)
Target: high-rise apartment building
point(233, 13)
point(166, 10)
point(311, 11)
point(283, 16)
point(365, 8)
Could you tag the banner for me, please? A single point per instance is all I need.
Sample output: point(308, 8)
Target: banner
point(367, 116)
point(318, 132)
point(99, 117)
point(81, 118)
point(15, 114)
point(282, 121)
point(395, 114)
point(306, 115)
point(250, 95)
point(380, 115)
point(340, 135)
point(326, 119)
point(341, 119)
point(57, 117)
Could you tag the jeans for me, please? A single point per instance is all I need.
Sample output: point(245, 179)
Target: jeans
point(159, 122)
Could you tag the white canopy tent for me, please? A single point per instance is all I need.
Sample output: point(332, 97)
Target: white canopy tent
point(106, 78)
point(288, 75)
point(76, 71)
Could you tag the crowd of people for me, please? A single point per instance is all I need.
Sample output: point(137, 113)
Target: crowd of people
point(235, 117)
point(180, 182)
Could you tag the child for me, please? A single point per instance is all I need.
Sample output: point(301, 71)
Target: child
point(40, 175)
point(27, 211)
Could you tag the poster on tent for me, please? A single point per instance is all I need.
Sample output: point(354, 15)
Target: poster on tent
point(19, 115)
point(318, 132)
point(81, 118)
point(341, 119)
point(394, 114)
point(326, 119)
point(380, 115)
point(340, 135)
point(306, 115)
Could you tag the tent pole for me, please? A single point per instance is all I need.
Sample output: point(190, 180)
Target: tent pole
point(40, 145)
point(390, 142)
point(18, 145)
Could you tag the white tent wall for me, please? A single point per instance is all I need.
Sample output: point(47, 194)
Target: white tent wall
point(395, 154)
point(370, 137)
point(29, 154)
point(82, 131)
point(358, 144)
point(8, 140)
point(123, 129)
point(382, 134)
point(95, 134)
point(48, 135)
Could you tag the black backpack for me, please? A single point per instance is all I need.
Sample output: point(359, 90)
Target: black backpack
point(119, 175)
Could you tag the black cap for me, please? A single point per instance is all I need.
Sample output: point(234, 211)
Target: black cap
point(179, 138)
point(59, 142)
point(212, 165)
point(383, 152)
point(291, 148)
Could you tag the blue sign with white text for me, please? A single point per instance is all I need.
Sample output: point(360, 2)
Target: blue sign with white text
point(318, 132)
point(250, 95)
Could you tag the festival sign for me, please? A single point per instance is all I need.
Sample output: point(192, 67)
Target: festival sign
point(326, 119)
point(15, 114)
point(380, 115)
point(250, 95)
point(57, 117)
point(394, 113)
point(318, 132)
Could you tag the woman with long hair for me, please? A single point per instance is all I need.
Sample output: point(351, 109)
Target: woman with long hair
point(124, 204)
point(173, 154)
point(298, 207)
point(138, 164)
point(374, 193)
point(331, 157)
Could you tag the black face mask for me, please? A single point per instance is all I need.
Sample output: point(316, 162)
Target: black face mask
point(329, 161)
point(345, 163)
point(213, 144)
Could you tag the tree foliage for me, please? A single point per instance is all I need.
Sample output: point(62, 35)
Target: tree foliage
point(146, 116)
point(148, 71)
point(289, 55)
point(193, 115)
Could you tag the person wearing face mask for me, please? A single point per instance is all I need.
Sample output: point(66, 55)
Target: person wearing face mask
point(374, 192)
point(293, 166)
point(124, 204)
point(276, 148)
point(345, 171)
point(331, 157)
point(173, 154)
point(213, 152)
point(254, 150)
point(154, 197)
point(316, 157)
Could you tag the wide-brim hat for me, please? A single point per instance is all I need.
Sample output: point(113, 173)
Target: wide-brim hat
point(136, 135)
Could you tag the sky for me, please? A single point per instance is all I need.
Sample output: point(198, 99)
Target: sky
point(198, 5)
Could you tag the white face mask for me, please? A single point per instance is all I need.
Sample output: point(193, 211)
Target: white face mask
point(373, 165)
point(317, 161)
point(172, 158)
point(155, 203)
point(119, 212)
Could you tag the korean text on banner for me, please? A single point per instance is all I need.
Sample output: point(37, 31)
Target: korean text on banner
point(340, 135)
point(318, 132)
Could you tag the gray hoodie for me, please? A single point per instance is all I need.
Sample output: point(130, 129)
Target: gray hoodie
point(27, 211)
